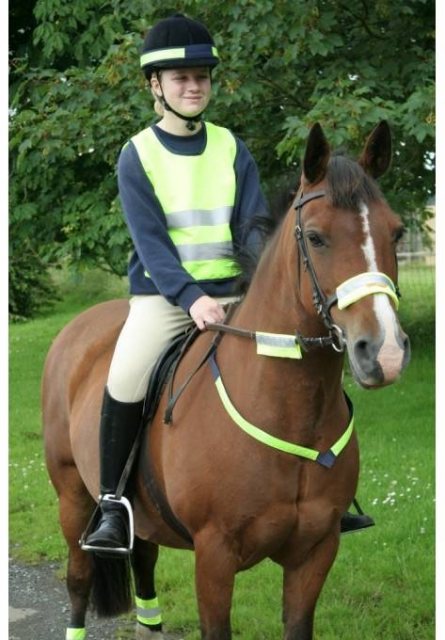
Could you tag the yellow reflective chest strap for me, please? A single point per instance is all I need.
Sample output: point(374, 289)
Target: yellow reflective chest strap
point(325, 458)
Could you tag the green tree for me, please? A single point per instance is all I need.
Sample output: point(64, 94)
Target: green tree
point(77, 95)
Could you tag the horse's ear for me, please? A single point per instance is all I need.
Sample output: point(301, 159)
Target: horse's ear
point(316, 155)
point(376, 156)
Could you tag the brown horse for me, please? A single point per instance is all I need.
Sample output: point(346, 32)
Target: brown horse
point(260, 459)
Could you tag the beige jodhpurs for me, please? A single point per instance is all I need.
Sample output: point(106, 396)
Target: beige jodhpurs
point(151, 324)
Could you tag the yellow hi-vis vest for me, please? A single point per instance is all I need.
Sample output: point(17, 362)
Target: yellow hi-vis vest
point(197, 195)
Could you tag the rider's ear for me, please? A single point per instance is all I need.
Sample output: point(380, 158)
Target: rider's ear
point(376, 156)
point(316, 156)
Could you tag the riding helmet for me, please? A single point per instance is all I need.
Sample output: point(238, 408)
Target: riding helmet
point(176, 42)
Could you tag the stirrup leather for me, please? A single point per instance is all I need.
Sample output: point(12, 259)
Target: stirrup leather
point(108, 497)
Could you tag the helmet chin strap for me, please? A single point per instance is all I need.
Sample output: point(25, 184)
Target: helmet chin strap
point(191, 121)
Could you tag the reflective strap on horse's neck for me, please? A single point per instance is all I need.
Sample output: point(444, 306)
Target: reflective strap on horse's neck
point(362, 285)
point(277, 345)
point(326, 458)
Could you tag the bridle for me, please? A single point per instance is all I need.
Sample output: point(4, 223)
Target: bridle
point(350, 291)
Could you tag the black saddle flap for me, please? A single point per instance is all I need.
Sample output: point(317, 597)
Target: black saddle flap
point(162, 372)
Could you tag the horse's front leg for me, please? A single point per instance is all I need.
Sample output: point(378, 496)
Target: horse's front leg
point(149, 618)
point(303, 583)
point(215, 569)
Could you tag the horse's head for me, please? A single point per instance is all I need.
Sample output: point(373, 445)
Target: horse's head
point(347, 236)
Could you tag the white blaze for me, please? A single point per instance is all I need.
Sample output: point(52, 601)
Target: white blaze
point(391, 355)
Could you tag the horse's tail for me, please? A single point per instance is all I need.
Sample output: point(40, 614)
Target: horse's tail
point(111, 589)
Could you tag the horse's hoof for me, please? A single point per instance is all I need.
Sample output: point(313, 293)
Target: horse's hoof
point(144, 633)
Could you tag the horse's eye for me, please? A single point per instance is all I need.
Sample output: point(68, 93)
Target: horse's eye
point(398, 234)
point(315, 239)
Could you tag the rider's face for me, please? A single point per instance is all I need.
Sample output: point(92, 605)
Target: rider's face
point(185, 90)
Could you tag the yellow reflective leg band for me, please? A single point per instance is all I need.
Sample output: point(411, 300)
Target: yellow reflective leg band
point(75, 633)
point(148, 611)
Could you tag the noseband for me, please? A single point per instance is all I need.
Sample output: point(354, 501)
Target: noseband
point(350, 291)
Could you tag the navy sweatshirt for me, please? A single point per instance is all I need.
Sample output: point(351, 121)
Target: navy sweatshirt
point(154, 251)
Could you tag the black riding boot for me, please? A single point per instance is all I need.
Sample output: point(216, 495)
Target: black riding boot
point(351, 522)
point(119, 426)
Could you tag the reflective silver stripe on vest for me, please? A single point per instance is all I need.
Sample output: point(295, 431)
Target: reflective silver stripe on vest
point(209, 251)
point(199, 218)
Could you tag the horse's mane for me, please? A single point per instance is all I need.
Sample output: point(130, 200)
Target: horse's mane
point(348, 187)
point(261, 228)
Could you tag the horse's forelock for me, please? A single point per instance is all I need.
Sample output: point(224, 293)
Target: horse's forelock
point(348, 185)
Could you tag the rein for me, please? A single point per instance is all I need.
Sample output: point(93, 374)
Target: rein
point(300, 342)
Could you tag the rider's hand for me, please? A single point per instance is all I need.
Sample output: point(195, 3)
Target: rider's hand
point(206, 309)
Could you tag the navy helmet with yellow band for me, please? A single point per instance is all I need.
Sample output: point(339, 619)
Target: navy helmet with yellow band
point(177, 42)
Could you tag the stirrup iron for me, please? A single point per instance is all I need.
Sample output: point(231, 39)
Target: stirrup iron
point(109, 551)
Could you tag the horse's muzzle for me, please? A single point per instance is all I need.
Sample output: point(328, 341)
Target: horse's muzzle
point(376, 362)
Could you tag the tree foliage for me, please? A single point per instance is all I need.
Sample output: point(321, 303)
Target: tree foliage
point(77, 95)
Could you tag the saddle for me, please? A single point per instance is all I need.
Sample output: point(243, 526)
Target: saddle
point(163, 371)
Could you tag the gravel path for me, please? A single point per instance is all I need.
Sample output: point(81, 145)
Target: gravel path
point(39, 608)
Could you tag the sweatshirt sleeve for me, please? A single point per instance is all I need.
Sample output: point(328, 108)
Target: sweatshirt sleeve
point(148, 229)
point(249, 201)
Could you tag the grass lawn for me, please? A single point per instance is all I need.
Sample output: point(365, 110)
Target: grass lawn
point(382, 584)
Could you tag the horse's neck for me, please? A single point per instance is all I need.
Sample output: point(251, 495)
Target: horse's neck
point(272, 302)
point(308, 387)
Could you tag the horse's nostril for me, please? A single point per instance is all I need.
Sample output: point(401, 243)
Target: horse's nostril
point(365, 353)
point(406, 350)
point(361, 348)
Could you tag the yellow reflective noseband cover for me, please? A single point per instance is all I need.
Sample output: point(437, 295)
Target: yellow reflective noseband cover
point(365, 284)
